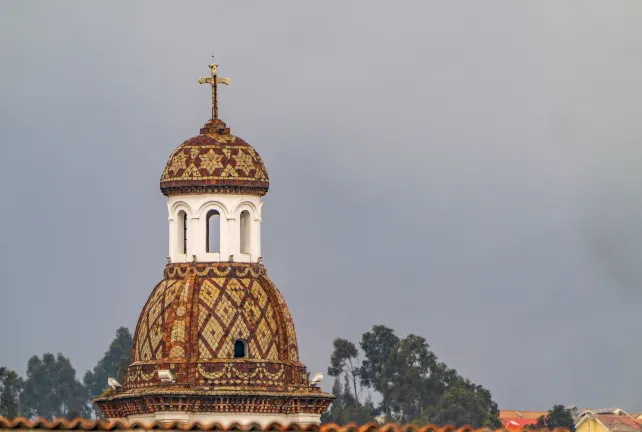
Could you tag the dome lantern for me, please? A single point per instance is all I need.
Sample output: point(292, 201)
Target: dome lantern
point(214, 183)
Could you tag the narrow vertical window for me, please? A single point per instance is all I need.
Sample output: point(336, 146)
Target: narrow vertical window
point(213, 241)
point(245, 232)
point(182, 232)
point(240, 349)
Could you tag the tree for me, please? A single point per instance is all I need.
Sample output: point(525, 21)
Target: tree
point(557, 417)
point(344, 409)
point(465, 403)
point(414, 386)
point(116, 358)
point(345, 361)
point(10, 388)
point(377, 345)
point(51, 389)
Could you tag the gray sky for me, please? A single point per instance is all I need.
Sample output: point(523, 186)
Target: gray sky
point(466, 171)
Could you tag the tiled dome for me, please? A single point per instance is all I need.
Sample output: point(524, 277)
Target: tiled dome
point(190, 326)
point(195, 315)
point(214, 161)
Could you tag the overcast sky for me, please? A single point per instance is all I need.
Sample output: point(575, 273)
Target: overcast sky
point(466, 171)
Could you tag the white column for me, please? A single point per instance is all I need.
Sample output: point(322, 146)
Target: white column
point(230, 239)
point(255, 240)
point(172, 239)
point(196, 239)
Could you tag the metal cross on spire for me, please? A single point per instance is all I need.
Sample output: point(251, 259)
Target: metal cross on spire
point(213, 80)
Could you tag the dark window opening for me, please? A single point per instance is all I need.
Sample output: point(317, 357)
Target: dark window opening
point(239, 349)
point(184, 232)
point(181, 245)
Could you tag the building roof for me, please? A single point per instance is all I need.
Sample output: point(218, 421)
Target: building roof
point(517, 424)
point(214, 161)
point(615, 422)
point(198, 311)
point(79, 424)
point(519, 414)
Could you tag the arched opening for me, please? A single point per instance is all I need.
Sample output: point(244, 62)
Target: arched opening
point(240, 349)
point(182, 232)
point(213, 241)
point(245, 232)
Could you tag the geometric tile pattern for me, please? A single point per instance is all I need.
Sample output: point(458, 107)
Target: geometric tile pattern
point(150, 343)
point(231, 309)
point(195, 315)
point(221, 160)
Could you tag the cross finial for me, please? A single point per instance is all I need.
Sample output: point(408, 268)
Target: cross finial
point(213, 80)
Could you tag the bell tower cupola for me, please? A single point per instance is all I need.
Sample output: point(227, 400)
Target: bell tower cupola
point(214, 184)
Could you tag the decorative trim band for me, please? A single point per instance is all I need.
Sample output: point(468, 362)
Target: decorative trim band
point(149, 404)
point(214, 269)
point(171, 190)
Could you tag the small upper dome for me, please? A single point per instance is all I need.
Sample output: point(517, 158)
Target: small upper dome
point(214, 161)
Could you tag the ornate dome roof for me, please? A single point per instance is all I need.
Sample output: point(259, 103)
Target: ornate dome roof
point(198, 311)
point(214, 161)
point(190, 325)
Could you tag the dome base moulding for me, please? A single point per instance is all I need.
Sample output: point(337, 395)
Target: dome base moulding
point(234, 406)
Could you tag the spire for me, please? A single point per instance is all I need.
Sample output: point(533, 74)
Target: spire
point(213, 80)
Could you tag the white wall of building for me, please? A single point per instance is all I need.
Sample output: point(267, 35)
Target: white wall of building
point(227, 419)
point(229, 207)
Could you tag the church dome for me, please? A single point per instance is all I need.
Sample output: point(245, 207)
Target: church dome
point(214, 161)
point(193, 325)
point(198, 313)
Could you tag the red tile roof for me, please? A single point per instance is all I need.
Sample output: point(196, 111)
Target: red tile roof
point(517, 424)
point(103, 425)
point(519, 414)
point(613, 421)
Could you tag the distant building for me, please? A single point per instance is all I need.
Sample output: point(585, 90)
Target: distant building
point(516, 420)
point(607, 420)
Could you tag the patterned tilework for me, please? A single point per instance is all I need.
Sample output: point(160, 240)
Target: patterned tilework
point(215, 161)
point(149, 343)
point(194, 316)
point(288, 323)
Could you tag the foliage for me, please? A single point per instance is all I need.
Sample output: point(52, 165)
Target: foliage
point(377, 346)
point(113, 363)
point(344, 408)
point(10, 388)
point(51, 389)
point(557, 417)
point(465, 403)
point(345, 361)
point(414, 386)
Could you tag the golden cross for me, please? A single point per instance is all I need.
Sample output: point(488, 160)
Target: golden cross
point(214, 80)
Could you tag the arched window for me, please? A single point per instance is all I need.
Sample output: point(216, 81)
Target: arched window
point(182, 232)
point(213, 241)
point(240, 349)
point(245, 232)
